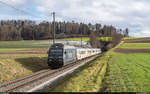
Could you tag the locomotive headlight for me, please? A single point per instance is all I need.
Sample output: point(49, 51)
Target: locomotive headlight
point(60, 59)
point(50, 59)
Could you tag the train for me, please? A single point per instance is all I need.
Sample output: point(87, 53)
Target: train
point(60, 54)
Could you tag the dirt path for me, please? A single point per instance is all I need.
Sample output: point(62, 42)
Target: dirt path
point(25, 52)
point(120, 50)
point(143, 40)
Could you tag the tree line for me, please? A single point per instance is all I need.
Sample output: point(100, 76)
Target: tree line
point(30, 30)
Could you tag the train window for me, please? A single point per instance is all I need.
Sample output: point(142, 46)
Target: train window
point(56, 50)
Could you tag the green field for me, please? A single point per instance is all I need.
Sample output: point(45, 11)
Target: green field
point(135, 45)
point(24, 45)
point(128, 73)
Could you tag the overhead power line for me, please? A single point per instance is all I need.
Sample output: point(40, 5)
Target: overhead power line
point(19, 10)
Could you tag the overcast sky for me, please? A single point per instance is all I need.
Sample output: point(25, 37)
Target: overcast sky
point(133, 14)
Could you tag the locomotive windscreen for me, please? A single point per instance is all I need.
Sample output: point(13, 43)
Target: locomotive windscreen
point(56, 50)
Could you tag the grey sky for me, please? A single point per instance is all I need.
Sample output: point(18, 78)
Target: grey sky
point(133, 14)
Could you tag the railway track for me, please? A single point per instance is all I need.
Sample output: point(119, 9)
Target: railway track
point(12, 85)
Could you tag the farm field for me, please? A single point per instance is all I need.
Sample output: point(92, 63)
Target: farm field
point(135, 46)
point(138, 40)
point(24, 45)
point(128, 72)
point(125, 38)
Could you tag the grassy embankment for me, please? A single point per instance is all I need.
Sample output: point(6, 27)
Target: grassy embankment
point(88, 78)
point(13, 66)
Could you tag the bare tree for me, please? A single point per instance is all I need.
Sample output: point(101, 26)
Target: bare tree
point(95, 43)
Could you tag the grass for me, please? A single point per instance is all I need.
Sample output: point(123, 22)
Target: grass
point(20, 65)
point(15, 49)
point(88, 78)
point(78, 39)
point(27, 44)
point(135, 45)
point(128, 73)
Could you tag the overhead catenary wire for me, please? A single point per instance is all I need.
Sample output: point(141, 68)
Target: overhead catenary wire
point(17, 9)
point(40, 18)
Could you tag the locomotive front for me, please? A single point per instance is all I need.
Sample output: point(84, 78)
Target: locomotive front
point(55, 55)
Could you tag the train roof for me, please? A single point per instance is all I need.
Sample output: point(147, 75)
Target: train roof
point(57, 45)
point(61, 45)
